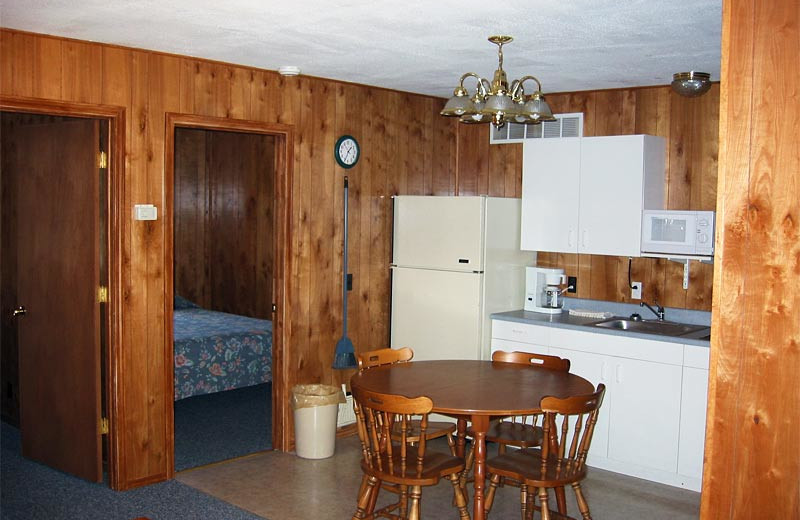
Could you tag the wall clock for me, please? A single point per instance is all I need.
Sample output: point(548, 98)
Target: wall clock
point(347, 151)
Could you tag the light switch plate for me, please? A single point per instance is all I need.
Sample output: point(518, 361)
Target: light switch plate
point(145, 212)
point(636, 290)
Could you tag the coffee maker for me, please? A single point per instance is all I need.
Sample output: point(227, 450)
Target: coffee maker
point(544, 288)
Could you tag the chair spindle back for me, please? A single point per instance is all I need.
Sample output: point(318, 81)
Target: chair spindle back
point(569, 443)
point(376, 414)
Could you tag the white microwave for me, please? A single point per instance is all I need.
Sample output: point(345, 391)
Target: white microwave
point(666, 232)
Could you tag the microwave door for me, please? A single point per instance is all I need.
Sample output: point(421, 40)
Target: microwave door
point(669, 233)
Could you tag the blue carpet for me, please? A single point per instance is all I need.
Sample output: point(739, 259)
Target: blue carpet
point(215, 427)
point(32, 491)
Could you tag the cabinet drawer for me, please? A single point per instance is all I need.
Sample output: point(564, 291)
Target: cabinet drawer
point(522, 332)
point(695, 357)
point(518, 346)
point(620, 346)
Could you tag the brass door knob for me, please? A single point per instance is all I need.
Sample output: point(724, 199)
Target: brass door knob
point(19, 311)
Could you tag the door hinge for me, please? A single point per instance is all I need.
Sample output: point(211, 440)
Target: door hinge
point(102, 160)
point(102, 294)
point(104, 426)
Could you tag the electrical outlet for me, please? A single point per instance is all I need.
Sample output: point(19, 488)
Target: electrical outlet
point(636, 290)
point(572, 284)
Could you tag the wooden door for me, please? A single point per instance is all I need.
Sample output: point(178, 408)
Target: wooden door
point(58, 278)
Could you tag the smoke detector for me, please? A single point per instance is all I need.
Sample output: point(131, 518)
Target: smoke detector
point(289, 70)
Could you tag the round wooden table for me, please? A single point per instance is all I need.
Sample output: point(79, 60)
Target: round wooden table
point(477, 391)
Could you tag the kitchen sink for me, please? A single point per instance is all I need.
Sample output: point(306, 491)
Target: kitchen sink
point(663, 328)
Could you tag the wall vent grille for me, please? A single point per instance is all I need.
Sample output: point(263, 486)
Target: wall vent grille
point(565, 125)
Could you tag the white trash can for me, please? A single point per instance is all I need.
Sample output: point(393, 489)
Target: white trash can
point(316, 408)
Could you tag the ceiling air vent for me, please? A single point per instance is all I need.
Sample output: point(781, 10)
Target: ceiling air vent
point(565, 125)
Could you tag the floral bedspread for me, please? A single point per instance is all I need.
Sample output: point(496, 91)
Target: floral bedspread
point(216, 351)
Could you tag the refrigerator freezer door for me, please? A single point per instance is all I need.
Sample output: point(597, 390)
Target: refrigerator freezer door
point(439, 232)
point(437, 313)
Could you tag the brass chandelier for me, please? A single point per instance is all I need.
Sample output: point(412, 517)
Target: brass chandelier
point(496, 102)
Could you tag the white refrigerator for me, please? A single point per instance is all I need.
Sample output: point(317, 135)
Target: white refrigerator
point(455, 261)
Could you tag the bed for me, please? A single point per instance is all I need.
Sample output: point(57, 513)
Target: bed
point(217, 351)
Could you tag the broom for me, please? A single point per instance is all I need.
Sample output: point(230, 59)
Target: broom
point(345, 353)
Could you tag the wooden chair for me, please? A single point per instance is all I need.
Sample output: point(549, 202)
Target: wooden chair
point(383, 356)
point(568, 427)
point(519, 431)
point(386, 356)
point(399, 462)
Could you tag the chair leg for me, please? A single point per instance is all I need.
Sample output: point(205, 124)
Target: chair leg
point(488, 499)
point(364, 498)
point(530, 506)
point(452, 443)
point(582, 505)
point(469, 460)
point(461, 502)
point(501, 450)
point(523, 500)
point(403, 501)
point(374, 496)
point(413, 509)
point(561, 500)
point(543, 503)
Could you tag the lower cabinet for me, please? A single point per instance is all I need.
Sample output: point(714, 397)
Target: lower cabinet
point(645, 413)
point(652, 421)
point(640, 415)
point(694, 397)
point(592, 367)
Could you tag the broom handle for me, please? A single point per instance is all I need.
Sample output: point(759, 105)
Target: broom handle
point(344, 264)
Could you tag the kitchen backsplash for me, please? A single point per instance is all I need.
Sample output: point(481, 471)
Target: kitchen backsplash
point(626, 309)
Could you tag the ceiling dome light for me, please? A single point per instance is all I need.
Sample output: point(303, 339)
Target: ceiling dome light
point(691, 84)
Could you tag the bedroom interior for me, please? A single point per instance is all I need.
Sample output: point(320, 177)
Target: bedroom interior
point(223, 263)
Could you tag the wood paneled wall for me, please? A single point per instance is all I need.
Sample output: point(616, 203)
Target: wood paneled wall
point(690, 126)
point(224, 210)
point(407, 148)
point(752, 458)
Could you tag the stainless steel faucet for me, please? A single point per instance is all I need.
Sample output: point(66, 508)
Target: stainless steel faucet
point(658, 311)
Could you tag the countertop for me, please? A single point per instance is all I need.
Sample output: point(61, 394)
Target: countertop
point(567, 321)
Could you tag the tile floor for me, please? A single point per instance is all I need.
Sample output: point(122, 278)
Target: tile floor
point(282, 486)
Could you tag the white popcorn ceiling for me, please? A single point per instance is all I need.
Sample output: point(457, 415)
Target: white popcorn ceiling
point(419, 46)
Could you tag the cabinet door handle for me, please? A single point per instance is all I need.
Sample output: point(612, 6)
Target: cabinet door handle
point(603, 372)
point(618, 374)
point(583, 238)
point(569, 237)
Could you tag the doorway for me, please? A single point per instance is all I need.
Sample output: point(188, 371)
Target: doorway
point(227, 182)
point(55, 252)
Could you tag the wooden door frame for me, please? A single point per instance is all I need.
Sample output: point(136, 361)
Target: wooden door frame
point(284, 162)
point(115, 198)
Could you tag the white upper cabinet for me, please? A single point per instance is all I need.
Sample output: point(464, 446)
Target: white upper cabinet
point(550, 173)
point(586, 195)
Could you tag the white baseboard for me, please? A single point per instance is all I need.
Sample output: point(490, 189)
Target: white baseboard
point(654, 475)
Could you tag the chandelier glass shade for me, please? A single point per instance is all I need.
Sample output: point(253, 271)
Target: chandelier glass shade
point(497, 102)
